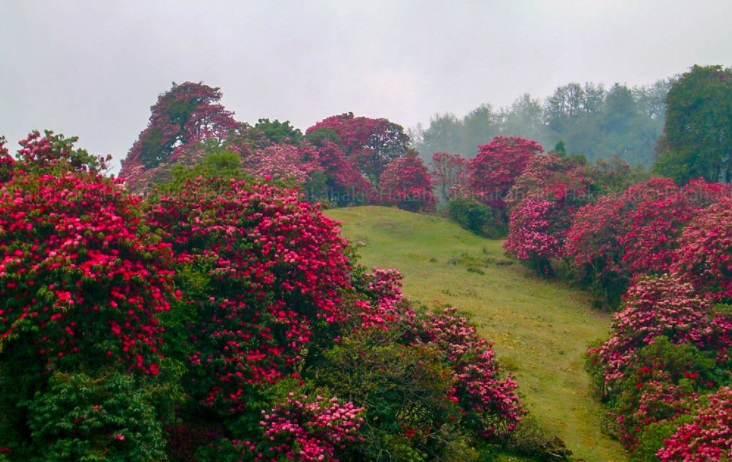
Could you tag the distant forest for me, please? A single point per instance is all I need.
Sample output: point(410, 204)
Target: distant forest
point(588, 119)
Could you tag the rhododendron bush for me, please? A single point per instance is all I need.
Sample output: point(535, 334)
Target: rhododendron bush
point(406, 183)
point(708, 437)
point(259, 271)
point(82, 283)
point(497, 166)
point(705, 253)
point(668, 347)
point(541, 205)
point(369, 143)
point(635, 232)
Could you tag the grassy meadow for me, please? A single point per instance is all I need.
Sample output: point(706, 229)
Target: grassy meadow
point(540, 329)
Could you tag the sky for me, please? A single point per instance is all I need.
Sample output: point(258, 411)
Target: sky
point(93, 68)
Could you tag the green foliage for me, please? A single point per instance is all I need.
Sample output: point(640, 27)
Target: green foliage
point(652, 438)
point(108, 416)
point(479, 218)
point(404, 390)
point(699, 116)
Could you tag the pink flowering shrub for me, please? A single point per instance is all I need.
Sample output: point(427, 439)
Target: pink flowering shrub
point(705, 253)
point(708, 437)
point(406, 183)
point(663, 306)
point(497, 165)
point(541, 204)
point(531, 237)
point(489, 401)
point(306, 428)
point(282, 162)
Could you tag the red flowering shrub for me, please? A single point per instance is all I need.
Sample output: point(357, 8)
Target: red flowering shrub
point(259, 271)
point(407, 184)
point(705, 253)
point(344, 183)
point(77, 278)
point(370, 143)
point(626, 234)
point(708, 437)
point(498, 164)
point(450, 175)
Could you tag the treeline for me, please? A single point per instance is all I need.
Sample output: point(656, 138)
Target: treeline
point(587, 119)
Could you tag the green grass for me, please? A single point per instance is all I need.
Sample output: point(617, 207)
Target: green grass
point(540, 329)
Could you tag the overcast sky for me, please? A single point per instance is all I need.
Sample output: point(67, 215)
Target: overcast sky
point(93, 68)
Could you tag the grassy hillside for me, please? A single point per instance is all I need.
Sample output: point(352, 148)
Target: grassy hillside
point(540, 329)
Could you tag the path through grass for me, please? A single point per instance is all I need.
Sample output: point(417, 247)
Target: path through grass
point(540, 329)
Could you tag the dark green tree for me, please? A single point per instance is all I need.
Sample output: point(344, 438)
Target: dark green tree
point(697, 139)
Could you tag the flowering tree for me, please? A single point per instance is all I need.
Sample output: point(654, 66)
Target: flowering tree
point(541, 203)
point(81, 288)
point(370, 143)
point(182, 118)
point(260, 272)
point(407, 184)
point(498, 164)
point(449, 173)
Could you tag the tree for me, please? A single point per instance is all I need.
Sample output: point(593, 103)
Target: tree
point(478, 128)
point(697, 140)
point(444, 134)
point(183, 117)
point(541, 204)
point(370, 143)
point(407, 183)
point(449, 173)
point(497, 165)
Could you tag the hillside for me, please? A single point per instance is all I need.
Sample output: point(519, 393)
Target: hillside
point(540, 329)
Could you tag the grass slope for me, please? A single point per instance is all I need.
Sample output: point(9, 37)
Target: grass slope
point(540, 329)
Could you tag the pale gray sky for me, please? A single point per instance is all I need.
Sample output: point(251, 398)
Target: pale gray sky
point(93, 68)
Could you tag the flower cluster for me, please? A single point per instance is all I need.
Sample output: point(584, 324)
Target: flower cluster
point(708, 437)
point(76, 276)
point(497, 165)
point(309, 429)
point(258, 269)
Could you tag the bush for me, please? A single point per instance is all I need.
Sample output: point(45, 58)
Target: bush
point(483, 220)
